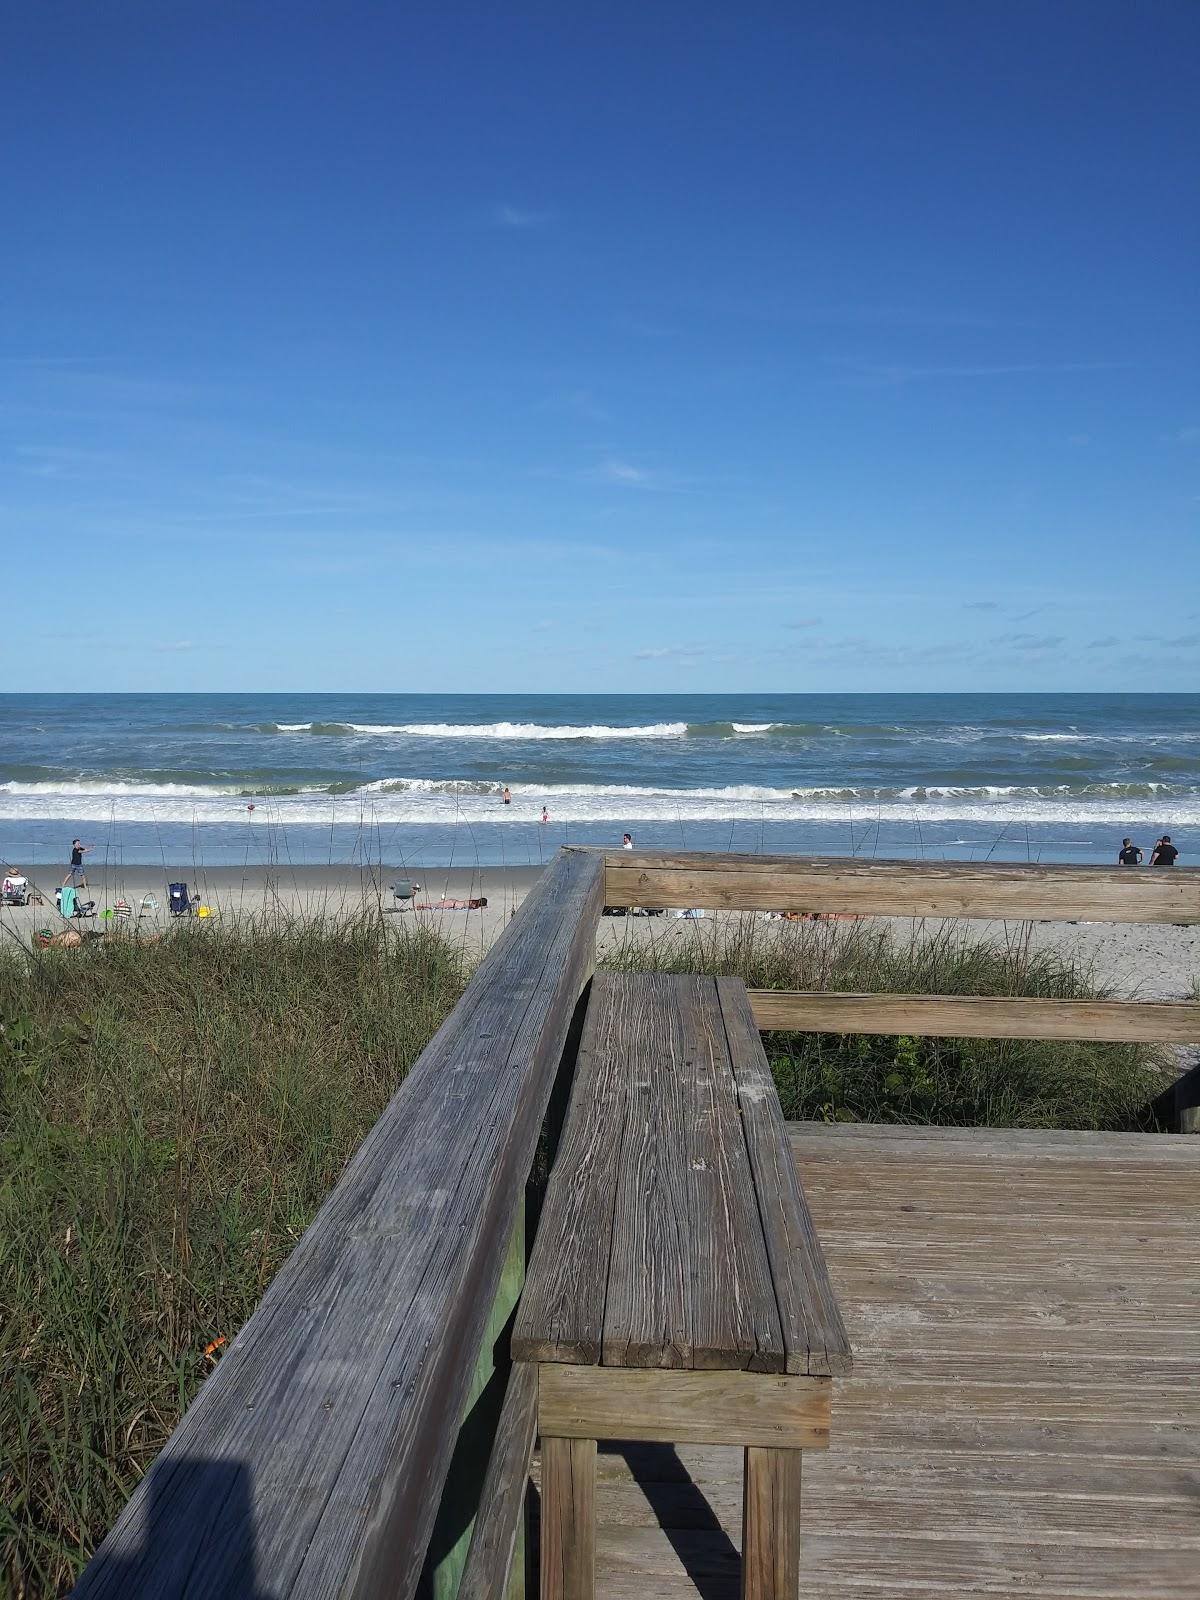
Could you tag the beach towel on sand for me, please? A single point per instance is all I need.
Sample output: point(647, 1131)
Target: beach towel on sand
point(66, 900)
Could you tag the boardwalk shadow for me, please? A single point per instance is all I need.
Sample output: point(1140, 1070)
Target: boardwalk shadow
point(208, 1547)
point(701, 1544)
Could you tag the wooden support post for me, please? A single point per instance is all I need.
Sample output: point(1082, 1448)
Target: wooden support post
point(451, 1539)
point(771, 1524)
point(568, 1519)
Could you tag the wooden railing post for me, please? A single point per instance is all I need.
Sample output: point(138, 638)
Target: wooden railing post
point(460, 1498)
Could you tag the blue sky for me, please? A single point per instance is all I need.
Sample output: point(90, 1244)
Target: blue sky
point(619, 348)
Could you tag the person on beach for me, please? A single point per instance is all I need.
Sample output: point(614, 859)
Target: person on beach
point(506, 797)
point(76, 873)
point(1129, 854)
point(627, 841)
point(1165, 853)
point(545, 815)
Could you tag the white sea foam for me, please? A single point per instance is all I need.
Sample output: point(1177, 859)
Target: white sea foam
point(494, 730)
point(417, 801)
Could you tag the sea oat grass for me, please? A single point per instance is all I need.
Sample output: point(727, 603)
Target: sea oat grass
point(171, 1116)
point(1019, 1083)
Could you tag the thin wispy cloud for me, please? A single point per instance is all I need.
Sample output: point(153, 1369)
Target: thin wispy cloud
point(682, 653)
point(518, 217)
point(1030, 641)
point(1108, 642)
point(982, 605)
point(174, 646)
point(893, 376)
point(622, 473)
point(803, 622)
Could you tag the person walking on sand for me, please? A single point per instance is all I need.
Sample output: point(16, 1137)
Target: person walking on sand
point(506, 797)
point(1165, 853)
point(76, 873)
point(1129, 855)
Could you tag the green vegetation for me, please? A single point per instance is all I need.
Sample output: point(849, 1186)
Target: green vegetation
point(1016, 1083)
point(173, 1113)
point(171, 1116)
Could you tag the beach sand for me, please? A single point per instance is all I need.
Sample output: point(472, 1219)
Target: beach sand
point(1130, 961)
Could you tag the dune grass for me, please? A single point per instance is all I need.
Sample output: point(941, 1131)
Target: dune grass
point(173, 1113)
point(1018, 1083)
point(171, 1116)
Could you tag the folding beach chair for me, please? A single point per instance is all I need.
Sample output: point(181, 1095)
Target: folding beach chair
point(179, 902)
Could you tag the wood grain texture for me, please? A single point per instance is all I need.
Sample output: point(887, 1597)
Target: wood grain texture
point(650, 1250)
point(771, 1525)
point(989, 1441)
point(498, 1521)
point(813, 1331)
point(561, 1314)
point(902, 888)
point(336, 1407)
point(568, 1563)
point(688, 1407)
point(971, 1017)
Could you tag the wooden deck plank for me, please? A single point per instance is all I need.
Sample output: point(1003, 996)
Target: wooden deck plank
point(651, 1248)
point(649, 1308)
point(1024, 1411)
point(734, 1301)
point(813, 1330)
point(561, 1314)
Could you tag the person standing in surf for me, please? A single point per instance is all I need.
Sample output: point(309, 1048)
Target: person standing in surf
point(1165, 853)
point(1129, 855)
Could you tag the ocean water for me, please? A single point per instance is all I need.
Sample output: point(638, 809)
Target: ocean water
point(219, 779)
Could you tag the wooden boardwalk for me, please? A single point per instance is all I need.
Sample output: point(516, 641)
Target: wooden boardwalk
point(1024, 1412)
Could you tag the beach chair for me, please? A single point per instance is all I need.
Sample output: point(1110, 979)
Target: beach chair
point(179, 902)
point(403, 893)
point(15, 891)
point(148, 906)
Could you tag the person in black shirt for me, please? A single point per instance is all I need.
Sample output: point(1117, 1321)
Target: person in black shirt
point(1129, 855)
point(1165, 853)
point(76, 874)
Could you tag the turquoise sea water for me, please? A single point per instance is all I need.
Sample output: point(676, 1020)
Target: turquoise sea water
point(173, 778)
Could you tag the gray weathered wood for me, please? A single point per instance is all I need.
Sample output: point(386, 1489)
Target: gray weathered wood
point(653, 1170)
point(901, 888)
point(976, 1017)
point(1024, 1450)
point(494, 1537)
point(315, 1454)
point(813, 1331)
point(561, 1314)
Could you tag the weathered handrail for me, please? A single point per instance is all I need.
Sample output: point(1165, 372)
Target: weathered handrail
point(313, 1459)
point(902, 888)
point(955, 1016)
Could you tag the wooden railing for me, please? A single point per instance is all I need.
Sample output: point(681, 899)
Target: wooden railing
point(939, 890)
point(313, 1461)
point(347, 1444)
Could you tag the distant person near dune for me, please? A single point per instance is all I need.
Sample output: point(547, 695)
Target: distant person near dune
point(1165, 853)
